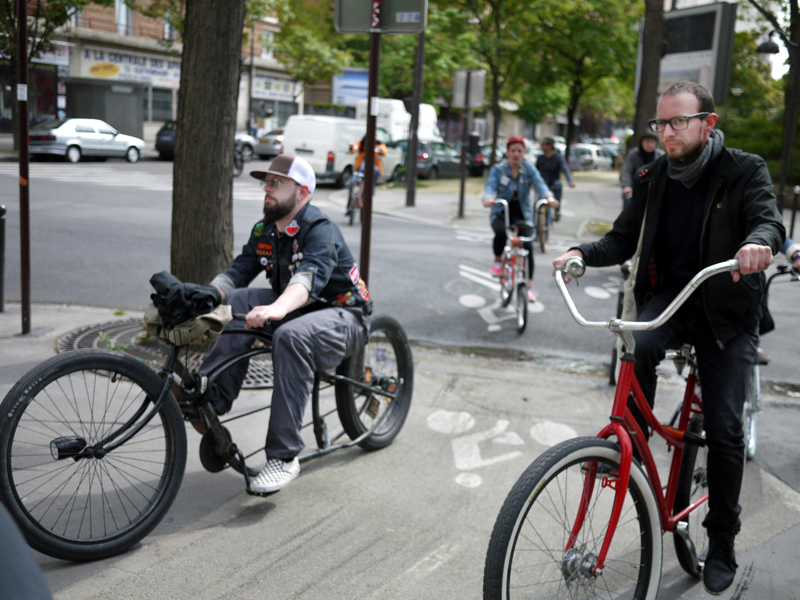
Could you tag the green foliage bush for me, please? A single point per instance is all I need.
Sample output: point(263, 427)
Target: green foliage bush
point(763, 136)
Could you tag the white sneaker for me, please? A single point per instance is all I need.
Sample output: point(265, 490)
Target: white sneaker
point(275, 475)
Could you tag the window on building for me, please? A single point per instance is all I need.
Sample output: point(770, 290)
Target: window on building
point(123, 16)
point(158, 105)
point(168, 30)
point(267, 39)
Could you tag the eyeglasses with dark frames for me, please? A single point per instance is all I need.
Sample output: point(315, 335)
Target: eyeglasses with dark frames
point(677, 123)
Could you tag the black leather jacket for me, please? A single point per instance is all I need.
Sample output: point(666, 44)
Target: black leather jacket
point(312, 249)
point(739, 209)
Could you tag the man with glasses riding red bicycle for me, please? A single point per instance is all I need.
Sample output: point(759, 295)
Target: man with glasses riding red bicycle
point(317, 305)
point(701, 204)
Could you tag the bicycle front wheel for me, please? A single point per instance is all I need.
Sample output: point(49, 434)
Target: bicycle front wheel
point(542, 230)
point(506, 282)
point(70, 499)
point(528, 556)
point(751, 408)
point(384, 363)
point(690, 537)
point(522, 307)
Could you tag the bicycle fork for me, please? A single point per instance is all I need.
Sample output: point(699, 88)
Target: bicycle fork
point(619, 484)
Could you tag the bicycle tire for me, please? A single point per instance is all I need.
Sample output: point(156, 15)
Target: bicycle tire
point(543, 232)
point(751, 408)
point(88, 508)
point(526, 556)
point(386, 361)
point(506, 282)
point(692, 483)
point(522, 307)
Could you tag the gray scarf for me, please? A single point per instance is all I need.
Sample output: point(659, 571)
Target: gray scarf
point(689, 173)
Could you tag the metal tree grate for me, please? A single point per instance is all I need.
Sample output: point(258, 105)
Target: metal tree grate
point(128, 335)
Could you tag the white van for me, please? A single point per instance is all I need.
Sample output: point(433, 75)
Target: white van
point(325, 143)
point(394, 118)
point(428, 128)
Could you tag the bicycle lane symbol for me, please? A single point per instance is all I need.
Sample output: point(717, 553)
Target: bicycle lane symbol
point(467, 452)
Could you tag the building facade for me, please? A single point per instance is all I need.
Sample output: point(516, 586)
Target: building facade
point(111, 63)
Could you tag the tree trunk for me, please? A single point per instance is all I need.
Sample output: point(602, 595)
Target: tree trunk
point(652, 52)
point(202, 196)
point(497, 115)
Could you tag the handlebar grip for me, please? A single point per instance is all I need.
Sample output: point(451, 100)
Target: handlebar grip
point(238, 317)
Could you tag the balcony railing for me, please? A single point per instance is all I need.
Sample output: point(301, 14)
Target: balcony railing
point(150, 30)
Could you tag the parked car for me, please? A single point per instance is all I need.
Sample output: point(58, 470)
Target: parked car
point(486, 150)
point(325, 143)
point(585, 157)
point(75, 138)
point(270, 144)
point(165, 142)
point(437, 159)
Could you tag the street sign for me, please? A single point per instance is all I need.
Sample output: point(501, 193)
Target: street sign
point(397, 16)
point(477, 86)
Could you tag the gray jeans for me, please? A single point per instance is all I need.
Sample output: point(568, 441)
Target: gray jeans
point(301, 345)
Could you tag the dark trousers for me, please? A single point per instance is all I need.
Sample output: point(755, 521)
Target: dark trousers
point(500, 238)
point(301, 345)
point(724, 374)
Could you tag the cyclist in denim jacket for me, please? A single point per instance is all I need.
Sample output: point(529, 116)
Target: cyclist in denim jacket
point(317, 307)
point(511, 181)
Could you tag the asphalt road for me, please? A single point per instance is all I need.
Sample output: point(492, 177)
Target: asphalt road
point(99, 231)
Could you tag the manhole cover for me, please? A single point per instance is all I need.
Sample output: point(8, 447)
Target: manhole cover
point(129, 336)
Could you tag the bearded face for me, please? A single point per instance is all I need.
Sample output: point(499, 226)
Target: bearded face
point(275, 208)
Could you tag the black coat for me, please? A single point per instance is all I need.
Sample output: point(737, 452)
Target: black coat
point(740, 208)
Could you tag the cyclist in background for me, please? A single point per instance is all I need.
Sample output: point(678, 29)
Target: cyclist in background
point(360, 149)
point(551, 165)
point(646, 152)
point(701, 204)
point(511, 180)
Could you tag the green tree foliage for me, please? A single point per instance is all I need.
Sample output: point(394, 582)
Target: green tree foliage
point(448, 39)
point(585, 44)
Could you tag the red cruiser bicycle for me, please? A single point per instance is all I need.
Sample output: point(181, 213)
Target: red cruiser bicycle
point(584, 519)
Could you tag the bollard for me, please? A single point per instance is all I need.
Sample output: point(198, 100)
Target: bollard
point(2, 256)
point(794, 210)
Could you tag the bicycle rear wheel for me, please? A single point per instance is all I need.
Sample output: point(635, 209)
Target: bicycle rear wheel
point(71, 502)
point(542, 230)
point(527, 556)
point(522, 306)
point(384, 362)
point(691, 542)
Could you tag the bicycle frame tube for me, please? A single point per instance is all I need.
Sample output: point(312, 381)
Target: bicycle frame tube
point(626, 429)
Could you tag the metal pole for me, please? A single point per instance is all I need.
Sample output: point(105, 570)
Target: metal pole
point(411, 172)
point(369, 149)
point(24, 198)
point(2, 257)
point(788, 136)
point(794, 210)
point(464, 138)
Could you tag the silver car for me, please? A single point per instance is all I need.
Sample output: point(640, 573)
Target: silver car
point(75, 138)
point(270, 144)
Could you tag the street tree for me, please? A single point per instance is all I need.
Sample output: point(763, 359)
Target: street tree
point(583, 43)
point(202, 196)
point(43, 19)
point(783, 16)
point(501, 44)
point(652, 51)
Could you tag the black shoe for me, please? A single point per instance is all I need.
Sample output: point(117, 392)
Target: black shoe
point(557, 216)
point(720, 567)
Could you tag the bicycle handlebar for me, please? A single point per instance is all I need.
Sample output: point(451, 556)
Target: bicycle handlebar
point(509, 233)
point(575, 268)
